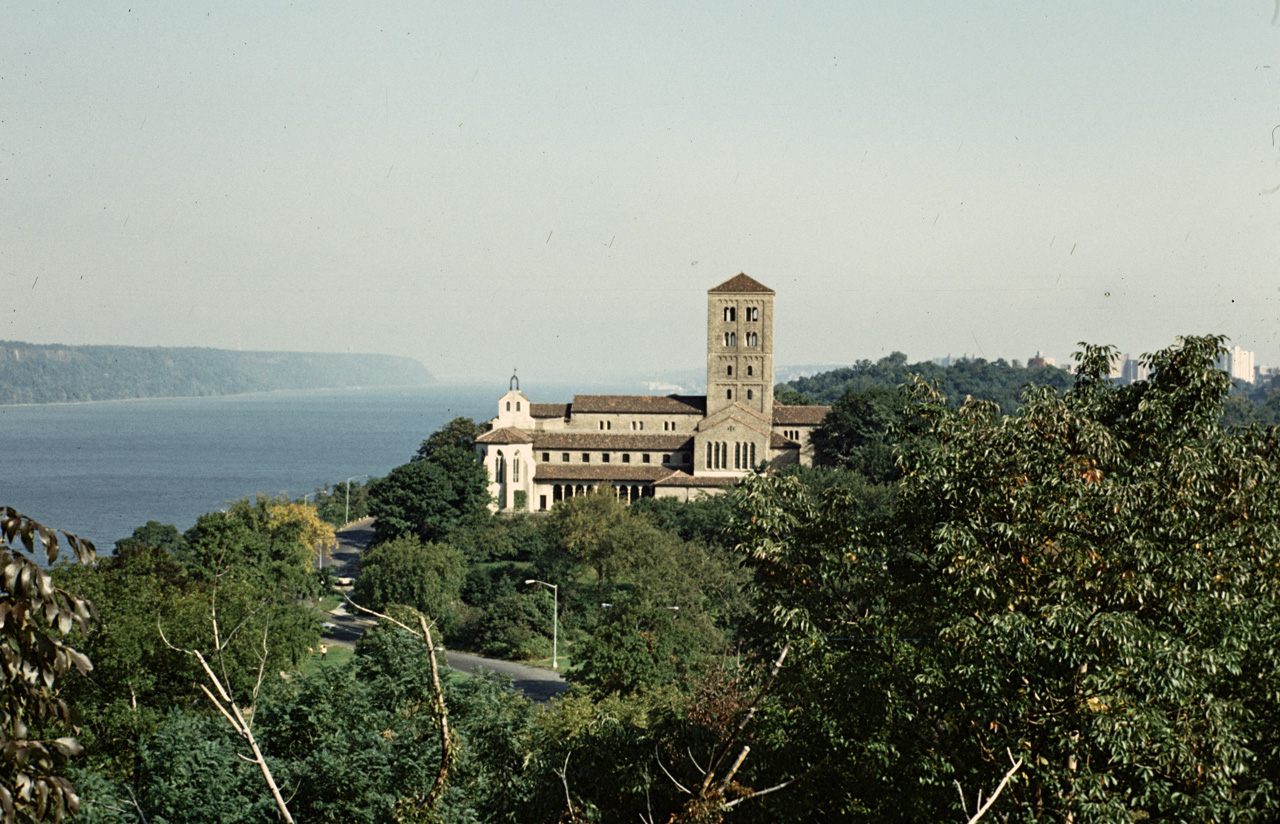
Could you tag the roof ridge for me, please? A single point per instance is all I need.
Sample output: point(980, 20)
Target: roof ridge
point(741, 282)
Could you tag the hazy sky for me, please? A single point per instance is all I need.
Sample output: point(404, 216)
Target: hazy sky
point(555, 186)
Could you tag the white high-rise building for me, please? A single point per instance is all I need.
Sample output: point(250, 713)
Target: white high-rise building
point(1238, 363)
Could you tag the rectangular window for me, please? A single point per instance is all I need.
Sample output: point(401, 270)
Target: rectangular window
point(542, 502)
point(666, 459)
point(604, 458)
point(586, 457)
point(546, 457)
point(644, 458)
point(564, 457)
point(626, 457)
point(749, 394)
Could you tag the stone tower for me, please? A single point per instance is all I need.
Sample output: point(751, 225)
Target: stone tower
point(740, 346)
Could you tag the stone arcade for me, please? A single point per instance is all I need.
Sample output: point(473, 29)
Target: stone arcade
point(657, 445)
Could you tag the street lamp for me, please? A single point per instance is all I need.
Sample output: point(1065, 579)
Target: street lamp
point(555, 619)
point(346, 512)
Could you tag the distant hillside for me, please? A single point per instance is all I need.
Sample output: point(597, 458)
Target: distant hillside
point(34, 373)
point(990, 380)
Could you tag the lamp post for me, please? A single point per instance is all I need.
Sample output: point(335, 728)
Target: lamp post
point(555, 620)
point(346, 512)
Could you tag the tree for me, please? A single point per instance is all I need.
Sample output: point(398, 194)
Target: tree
point(405, 571)
point(153, 533)
point(460, 433)
point(427, 498)
point(856, 433)
point(35, 618)
point(268, 543)
point(1090, 585)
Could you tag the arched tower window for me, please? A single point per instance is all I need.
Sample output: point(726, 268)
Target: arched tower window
point(500, 468)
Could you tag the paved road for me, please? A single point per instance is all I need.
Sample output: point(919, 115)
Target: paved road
point(540, 685)
point(344, 629)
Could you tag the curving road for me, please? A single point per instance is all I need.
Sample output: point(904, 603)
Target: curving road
point(344, 629)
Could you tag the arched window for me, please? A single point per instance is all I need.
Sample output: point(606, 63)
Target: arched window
point(728, 393)
point(515, 469)
point(729, 370)
point(750, 370)
point(749, 394)
point(730, 314)
point(508, 406)
point(517, 406)
point(500, 468)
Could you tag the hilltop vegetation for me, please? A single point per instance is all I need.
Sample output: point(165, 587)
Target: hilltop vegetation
point(34, 373)
point(1074, 608)
point(998, 380)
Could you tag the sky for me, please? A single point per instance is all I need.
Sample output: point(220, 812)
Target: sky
point(555, 186)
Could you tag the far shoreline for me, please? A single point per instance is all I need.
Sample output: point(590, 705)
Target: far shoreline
point(235, 394)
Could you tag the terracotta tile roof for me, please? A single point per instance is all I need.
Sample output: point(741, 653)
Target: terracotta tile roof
point(598, 472)
point(617, 441)
point(799, 415)
point(776, 441)
point(641, 404)
point(679, 478)
point(506, 434)
point(742, 283)
point(549, 410)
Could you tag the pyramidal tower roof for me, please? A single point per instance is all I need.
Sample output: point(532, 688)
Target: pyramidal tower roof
point(741, 283)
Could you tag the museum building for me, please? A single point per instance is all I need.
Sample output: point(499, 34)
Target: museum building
point(657, 445)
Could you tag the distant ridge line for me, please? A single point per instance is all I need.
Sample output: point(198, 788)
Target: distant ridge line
point(32, 373)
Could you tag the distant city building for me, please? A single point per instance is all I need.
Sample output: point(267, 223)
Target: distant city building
point(676, 446)
point(1238, 363)
point(949, 361)
point(1134, 370)
point(1040, 360)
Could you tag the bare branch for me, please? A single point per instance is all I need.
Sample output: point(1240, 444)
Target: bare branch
point(982, 809)
point(388, 618)
point(563, 773)
point(446, 740)
point(658, 758)
point(746, 719)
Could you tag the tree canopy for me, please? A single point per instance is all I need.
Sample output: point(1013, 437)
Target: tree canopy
point(1091, 586)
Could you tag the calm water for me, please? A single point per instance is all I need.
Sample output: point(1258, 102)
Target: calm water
point(102, 469)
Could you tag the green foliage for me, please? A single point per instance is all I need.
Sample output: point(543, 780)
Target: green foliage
point(191, 773)
point(460, 433)
point(785, 395)
point(153, 534)
point(427, 498)
point(513, 624)
point(405, 571)
point(996, 380)
point(637, 647)
point(249, 542)
point(705, 520)
point(855, 435)
point(342, 502)
point(1091, 584)
point(484, 538)
point(35, 658)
